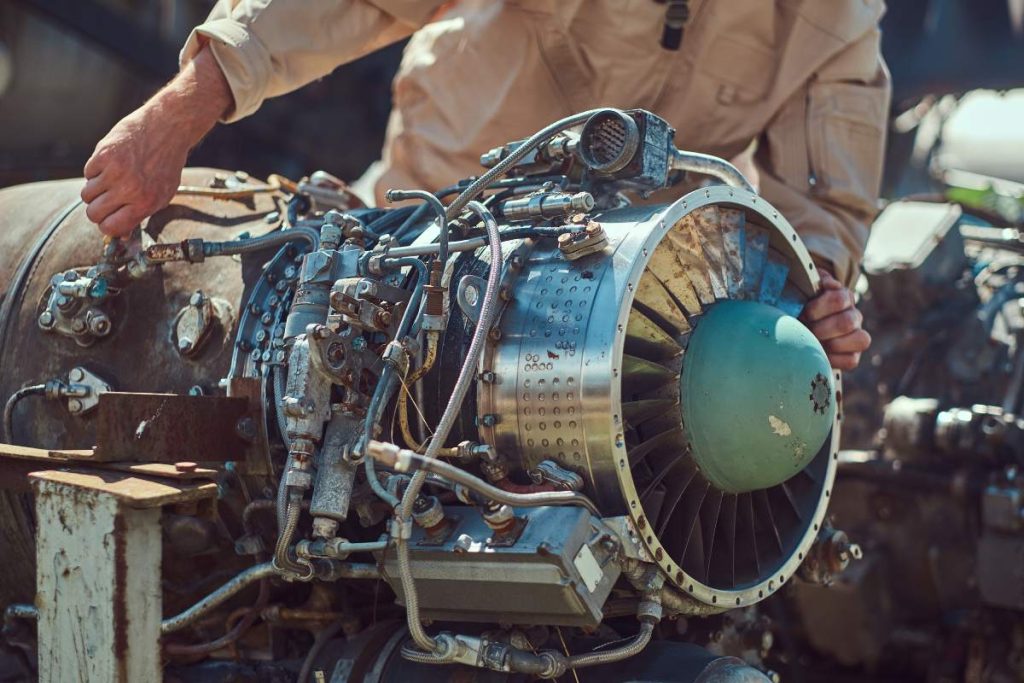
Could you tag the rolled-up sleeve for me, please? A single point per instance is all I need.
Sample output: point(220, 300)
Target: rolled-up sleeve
point(270, 47)
point(822, 164)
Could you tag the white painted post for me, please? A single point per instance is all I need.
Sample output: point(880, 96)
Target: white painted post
point(98, 586)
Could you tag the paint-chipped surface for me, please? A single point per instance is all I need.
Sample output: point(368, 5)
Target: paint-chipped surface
point(98, 573)
point(779, 427)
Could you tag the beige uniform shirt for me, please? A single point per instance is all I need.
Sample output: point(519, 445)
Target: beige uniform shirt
point(802, 78)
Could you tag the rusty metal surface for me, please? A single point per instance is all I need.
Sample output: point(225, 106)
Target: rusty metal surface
point(131, 490)
point(139, 355)
point(170, 428)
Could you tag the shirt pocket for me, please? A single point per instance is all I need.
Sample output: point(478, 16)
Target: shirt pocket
point(737, 72)
point(846, 142)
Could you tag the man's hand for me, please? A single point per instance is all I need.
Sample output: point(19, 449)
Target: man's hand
point(836, 322)
point(135, 170)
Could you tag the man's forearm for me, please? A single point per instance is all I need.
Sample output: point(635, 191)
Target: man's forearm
point(198, 97)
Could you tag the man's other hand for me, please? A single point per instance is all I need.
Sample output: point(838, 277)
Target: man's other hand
point(836, 322)
point(136, 168)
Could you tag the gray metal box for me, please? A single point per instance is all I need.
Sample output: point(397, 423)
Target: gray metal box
point(557, 572)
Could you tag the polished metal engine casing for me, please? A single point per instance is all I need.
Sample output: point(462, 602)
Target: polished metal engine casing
point(557, 371)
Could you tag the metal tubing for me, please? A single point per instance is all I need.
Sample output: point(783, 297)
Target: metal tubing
point(403, 460)
point(218, 597)
point(629, 649)
point(705, 164)
point(436, 205)
point(488, 310)
point(274, 239)
point(34, 390)
point(481, 183)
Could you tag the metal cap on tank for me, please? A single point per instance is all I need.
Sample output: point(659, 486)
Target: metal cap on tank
point(757, 396)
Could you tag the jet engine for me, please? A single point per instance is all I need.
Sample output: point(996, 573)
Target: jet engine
point(513, 417)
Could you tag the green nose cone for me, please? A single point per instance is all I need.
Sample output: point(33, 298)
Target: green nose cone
point(757, 393)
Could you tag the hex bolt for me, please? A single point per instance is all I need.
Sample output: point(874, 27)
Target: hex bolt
point(78, 326)
point(290, 272)
point(463, 543)
point(279, 357)
point(255, 355)
point(488, 377)
point(46, 320)
point(489, 420)
point(74, 406)
point(184, 345)
point(382, 318)
point(266, 318)
point(494, 334)
point(281, 286)
point(261, 336)
point(76, 375)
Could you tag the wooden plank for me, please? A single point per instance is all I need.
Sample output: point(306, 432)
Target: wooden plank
point(125, 487)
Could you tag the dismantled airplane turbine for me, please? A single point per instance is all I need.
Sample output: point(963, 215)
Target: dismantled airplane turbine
point(535, 411)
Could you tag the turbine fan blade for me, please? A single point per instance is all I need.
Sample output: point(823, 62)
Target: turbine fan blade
point(709, 522)
point(761, 497)
point(671, 273)
point(687, 242)
point(647, 339)
point(671, 440)
point(654, 300)
point(747, 505)
point(641, 376)
point(709, 232)
point(637, 412)
point(733, 224)
point(755, 253)
point(774, 279)
point(791, 301)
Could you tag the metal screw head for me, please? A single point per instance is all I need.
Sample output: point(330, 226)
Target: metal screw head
point(74, 406)
point(463, 543)
point(197, 298)
point(70, 276)
point(184, 344)
point(46, 320)
point(266, 318)
point(290, 272)
point(76, 375)
point(78, 326)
